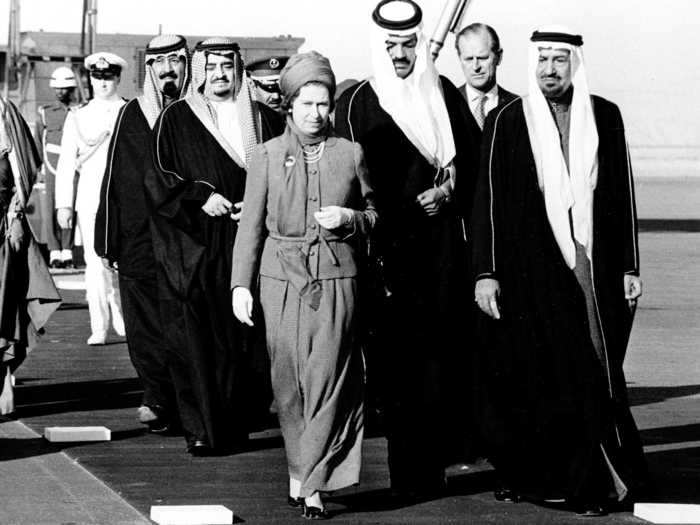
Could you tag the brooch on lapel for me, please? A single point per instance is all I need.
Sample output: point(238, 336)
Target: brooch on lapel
point(291, 161)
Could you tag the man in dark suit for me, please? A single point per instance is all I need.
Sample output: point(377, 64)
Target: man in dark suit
point(480, 54)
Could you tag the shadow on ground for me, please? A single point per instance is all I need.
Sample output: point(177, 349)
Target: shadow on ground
point(668, 435)
point(39, 400)
point(675, 474)
point(21, 448)
point(656, 394)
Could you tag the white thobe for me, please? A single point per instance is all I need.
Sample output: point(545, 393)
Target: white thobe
point(229, 123)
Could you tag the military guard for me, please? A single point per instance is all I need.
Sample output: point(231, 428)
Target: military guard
point(84, 148)
point(265, 74)
point(48, 133)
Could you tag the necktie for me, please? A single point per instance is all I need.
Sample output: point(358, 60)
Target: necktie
point(479, 113)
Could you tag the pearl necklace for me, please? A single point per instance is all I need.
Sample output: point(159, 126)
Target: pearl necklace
point(314, 153)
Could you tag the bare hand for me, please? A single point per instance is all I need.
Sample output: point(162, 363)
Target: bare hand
point(242, 305)
point(64, 216)
point(217, 205)
point(486, 293)
point(111, 266)
point(239, 207)
point(16, 234)
point(331, 217)
point(431, 200)
point(633, 288)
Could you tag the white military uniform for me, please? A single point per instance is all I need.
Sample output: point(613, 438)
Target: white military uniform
point(84, 145)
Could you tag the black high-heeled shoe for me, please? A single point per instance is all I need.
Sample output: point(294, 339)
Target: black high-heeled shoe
point(296, 503)
point(314, 513)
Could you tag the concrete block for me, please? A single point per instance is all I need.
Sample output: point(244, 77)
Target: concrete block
point(674, 513)
point(191, 515)
point(64, 434)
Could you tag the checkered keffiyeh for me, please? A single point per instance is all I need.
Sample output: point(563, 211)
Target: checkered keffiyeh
point(247, 108)
point(152, 98)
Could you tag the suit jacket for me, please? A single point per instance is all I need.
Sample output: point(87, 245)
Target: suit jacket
point(504, 96)
point(278, 236)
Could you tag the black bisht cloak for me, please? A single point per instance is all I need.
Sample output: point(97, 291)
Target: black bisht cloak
point(122, 225)
point(418, 361)
point(194, 252)
point(547, 402)
point(123, 235)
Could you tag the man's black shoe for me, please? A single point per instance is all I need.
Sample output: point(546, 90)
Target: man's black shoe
point(591, 510)
point(199, 448)
point(506, 495)
point(158, 426)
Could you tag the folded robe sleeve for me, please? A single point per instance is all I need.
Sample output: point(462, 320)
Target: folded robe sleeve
point(177, 194)
point(252, 232)
point(107, 227)
point(627, 204)
point(6, 185)
point(486, 208)
point(363, 220)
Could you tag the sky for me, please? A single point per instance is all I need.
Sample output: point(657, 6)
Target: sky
point(642, 54)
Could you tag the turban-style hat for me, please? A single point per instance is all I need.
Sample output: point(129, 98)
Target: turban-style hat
point(303, 68)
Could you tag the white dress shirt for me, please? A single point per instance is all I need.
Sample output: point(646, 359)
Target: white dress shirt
point(473, 96)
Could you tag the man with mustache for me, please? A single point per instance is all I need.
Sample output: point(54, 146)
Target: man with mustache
point(265, 74)
point(419, 150)
point(203, 145)
point(480, 54)
point(123, 235)
point(557, 263)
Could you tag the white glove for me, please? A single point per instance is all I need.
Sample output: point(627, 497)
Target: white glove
point(243, 305)
point(331, 217)
point(64, 217)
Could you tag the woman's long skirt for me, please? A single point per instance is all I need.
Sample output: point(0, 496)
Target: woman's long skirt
point(318, 381)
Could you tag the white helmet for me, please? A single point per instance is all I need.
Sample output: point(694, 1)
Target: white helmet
point(63, 77)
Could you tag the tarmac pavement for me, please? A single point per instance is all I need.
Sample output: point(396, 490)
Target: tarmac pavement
point(64, 382)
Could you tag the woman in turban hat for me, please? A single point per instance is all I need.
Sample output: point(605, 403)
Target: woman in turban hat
point(308, 210)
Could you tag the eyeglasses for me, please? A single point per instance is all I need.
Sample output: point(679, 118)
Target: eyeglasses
point(173, 60)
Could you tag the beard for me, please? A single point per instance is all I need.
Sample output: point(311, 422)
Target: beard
point(170, 89)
